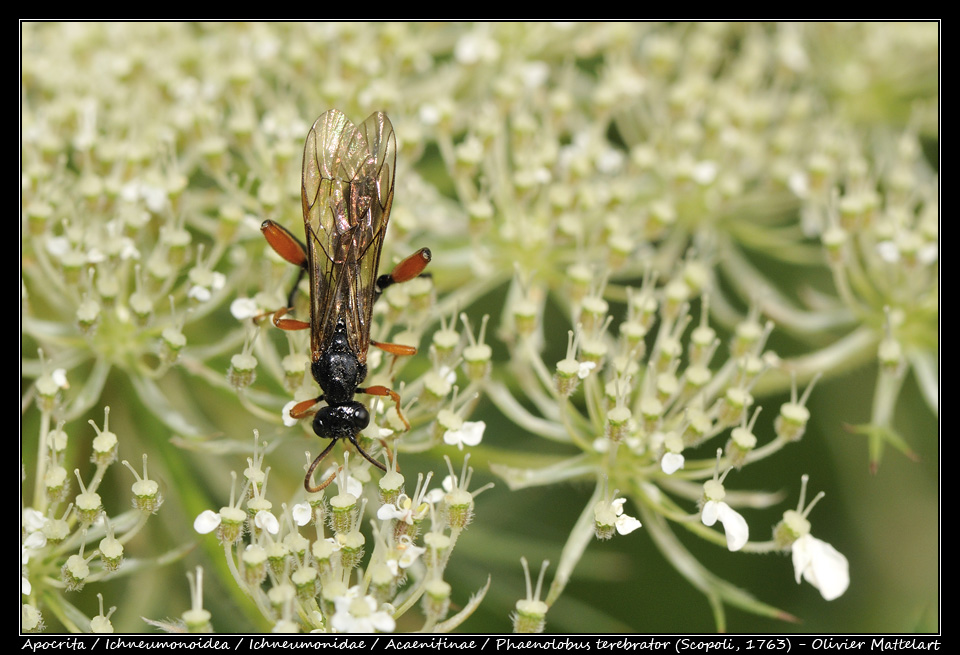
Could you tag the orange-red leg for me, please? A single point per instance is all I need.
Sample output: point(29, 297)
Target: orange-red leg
point(288, 323)
point(282, 323)
point(395, 348)
point(290, 248)
point(379, 390)
point(303, 408)
point(406, 270)
point(284, 243)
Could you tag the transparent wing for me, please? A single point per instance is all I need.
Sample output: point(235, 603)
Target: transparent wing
point(347, 192)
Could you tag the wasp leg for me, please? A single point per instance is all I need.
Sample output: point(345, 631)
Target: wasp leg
point(290, 248)
point(280, 322)
point(288, 323)
point(313, 467)
point(379, 390)
point(284, 243)
point(406, 270)
point(303, 408)
point(395, 348)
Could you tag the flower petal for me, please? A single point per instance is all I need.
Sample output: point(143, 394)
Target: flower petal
point(627, 524)
point(244, 308)
point(267, 521)
point(734, 526)
point(288, 420)
point(671, 462)
point(207, 522)
point(302, 513)
point(389, 511)
point(710, 513)
point(821, 565)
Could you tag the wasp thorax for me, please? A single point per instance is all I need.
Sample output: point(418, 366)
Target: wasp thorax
point(338, 374)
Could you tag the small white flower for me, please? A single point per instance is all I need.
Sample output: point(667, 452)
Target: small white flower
point(821, 565)
point(609, 516)
point(205, 283)
point(128, 250)
point(359, 614)
point(705, 172)
point(888, 252)
point(434, 496)
point(244, 308)
point(403, 510)
point(390, 511)
point(302, 514)
point(200, 294)
point(448, 374)
point(469, 434)
point(59, 377)
point(266, 521)
point(625, 524)
point(907, 246)
point(476, 47)
point(32, 521)
point(449, 483)
point(288, 420)
point(734, 525)
point(671, 463)
point(610, 161)
point(252, 222)
point(207, 522)
point(411, 554)
point(534, 74)
point(601, 445)
point(34, 541)
point(799, 184)
point(354, 486)
point(429, 114)
point(585, 368)
point(154, 197)
point(58, 246)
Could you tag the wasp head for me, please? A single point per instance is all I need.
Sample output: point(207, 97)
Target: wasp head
point(341, 421)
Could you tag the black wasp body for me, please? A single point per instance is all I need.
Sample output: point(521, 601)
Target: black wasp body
point(339, 373)
point(347, 193)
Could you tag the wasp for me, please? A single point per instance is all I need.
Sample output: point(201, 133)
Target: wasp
point(347, 194)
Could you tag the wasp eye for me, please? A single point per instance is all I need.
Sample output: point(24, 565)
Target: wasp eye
point(361, 417)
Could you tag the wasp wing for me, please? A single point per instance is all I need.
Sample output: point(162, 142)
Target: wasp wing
point(347, 193)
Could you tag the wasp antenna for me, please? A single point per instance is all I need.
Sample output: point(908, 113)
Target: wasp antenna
point(360, 450)
point(313, 467)
point(389, 452)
